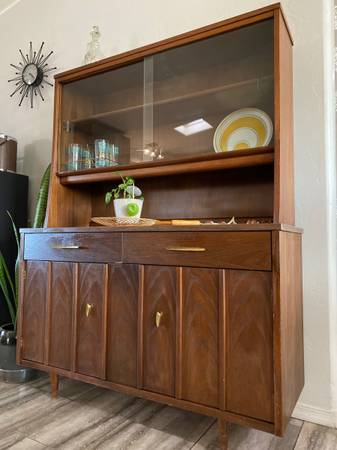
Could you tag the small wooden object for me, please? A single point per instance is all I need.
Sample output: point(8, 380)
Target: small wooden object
point(54, 384)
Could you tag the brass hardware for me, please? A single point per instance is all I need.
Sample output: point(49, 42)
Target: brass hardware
point(66, 247)
point(24, 274)
point(88, 309)
point(186, 249)
point(159, 315)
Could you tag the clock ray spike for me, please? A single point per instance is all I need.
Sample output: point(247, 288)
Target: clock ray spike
point(30, 52)
point(42, 61)
point(39, 53)
point(23, 95)
point(23, 57)
point(49, 70)
point(15, 79)
point(50, 84)
point(40, 93)
point(34, 56)
point(16, 67)
point(17, 89)
point(31, 97)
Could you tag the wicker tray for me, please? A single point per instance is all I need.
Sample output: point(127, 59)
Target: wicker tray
point(121, 221)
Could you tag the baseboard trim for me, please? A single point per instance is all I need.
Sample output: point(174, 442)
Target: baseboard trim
point(313, 414)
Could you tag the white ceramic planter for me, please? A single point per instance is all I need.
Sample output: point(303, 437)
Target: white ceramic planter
point(120, 206)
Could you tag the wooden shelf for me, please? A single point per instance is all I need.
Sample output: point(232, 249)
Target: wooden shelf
point(217, 161)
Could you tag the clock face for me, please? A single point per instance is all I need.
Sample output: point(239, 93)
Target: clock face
point(30, 74)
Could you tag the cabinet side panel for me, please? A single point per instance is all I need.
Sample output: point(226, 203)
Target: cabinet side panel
point(122, 324)
point(200, 336)
point(90, 320)
point(61, 315)
point(34, 311)
point(159, 340)
point(284, 208)
point(288, 339)
point(249, 341)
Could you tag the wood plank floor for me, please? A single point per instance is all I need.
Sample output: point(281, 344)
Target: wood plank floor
point(87, 417)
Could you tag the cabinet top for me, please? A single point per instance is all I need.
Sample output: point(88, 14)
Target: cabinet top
point(181, 39)
point(171, 228)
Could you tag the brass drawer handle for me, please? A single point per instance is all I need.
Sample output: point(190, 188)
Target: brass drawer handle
point(186, 249)
point(88, 309)
point(159, 315)
point(66, 247)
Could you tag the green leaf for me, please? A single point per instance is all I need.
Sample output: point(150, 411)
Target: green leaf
point(41, 206)
point(4, 288)
point(108, 197)
point(15, 231)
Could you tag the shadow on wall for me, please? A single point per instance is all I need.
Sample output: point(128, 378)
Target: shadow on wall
point(36, 157)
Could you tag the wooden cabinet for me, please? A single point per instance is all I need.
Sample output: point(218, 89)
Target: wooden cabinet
point(207, 318)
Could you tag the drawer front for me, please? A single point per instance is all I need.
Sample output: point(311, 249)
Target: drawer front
point(233, 250)
point(78, 247)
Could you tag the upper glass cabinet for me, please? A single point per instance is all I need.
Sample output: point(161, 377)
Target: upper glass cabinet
point(211, 96)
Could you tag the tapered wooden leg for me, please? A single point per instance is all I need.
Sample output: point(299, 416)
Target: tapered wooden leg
point(54, 384)
point(223, 434)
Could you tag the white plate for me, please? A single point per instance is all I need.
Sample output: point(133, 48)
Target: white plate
point(242, 129)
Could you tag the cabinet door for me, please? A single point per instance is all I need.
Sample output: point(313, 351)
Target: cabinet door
point(34, 311)
point(90, 336)
point(249, 342)
point(122, 324)
point(159, 329)
point(61, 315)
point(200, 335)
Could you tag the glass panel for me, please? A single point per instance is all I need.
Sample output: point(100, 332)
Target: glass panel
point(102, 119)
point(170, 105)
point(197, 85)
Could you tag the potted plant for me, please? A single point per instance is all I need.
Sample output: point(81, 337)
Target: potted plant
point(9, 370)
point(124, 198)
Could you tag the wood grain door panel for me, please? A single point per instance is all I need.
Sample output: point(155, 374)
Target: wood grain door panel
point(61, 315)
point(159, 296)
point(34, 311)
point(122, 324)
point(90, 341)
point(200, 334)
point(249, 337)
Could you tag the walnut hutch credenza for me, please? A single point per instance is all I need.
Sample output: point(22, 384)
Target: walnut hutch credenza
point(206, 317)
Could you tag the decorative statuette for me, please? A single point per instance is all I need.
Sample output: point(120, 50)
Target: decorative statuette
point(93, 48)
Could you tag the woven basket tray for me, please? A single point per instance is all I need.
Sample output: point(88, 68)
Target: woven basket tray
point(121, 221)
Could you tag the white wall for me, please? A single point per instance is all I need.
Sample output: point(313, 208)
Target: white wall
point(65, 25)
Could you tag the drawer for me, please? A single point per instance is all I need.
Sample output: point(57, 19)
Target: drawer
point(232, 250)
point(76, 247)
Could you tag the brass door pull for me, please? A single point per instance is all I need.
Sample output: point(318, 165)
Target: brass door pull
point(186, 249)
point(88, 309)
point(66, 247)
point(159, 315)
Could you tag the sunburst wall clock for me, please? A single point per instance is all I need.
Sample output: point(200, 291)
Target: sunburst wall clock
point(32, 75)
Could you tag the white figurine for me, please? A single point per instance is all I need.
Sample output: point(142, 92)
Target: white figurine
point(93, 48)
